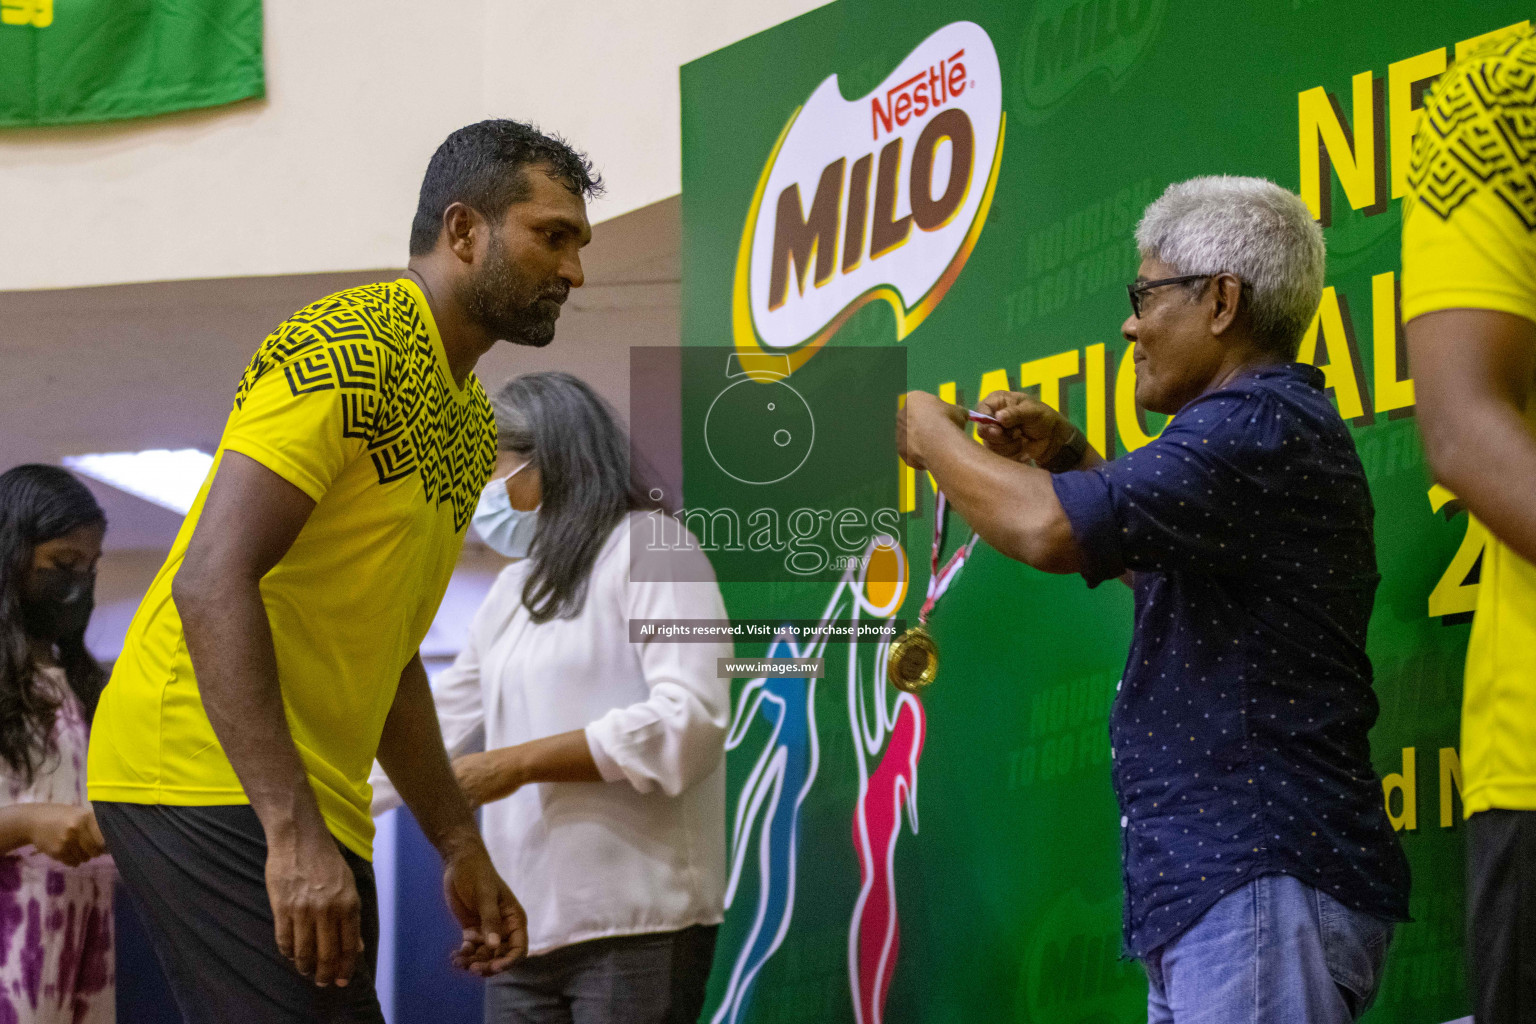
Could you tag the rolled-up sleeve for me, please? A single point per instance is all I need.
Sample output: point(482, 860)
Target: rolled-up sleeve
point(1186, 501)
point(676, 736)
point(1086, 499)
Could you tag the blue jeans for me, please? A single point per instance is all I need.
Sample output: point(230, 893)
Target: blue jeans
point(1276, 951)
point(632, 979)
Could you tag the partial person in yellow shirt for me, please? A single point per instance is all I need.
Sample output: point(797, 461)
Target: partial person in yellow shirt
point(1469, 300)
point(275, 655)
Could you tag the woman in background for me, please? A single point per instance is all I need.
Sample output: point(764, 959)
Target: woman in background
point(55, 894)
point(603, 772)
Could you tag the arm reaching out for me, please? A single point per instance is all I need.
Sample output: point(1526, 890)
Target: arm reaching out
point(65, 832)
point(412, 753)
point(1011, 505)
point(665, 742)
point(250, 519)
point(497, 774)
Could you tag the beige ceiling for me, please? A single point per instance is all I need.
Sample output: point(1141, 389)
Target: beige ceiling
point(130, 367)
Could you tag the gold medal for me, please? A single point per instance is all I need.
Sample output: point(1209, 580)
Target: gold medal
point(912, 660)
point(912, 663)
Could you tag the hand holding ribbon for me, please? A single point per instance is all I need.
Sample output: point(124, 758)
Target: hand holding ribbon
point(912, 663)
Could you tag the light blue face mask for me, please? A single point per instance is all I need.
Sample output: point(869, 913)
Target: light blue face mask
point(506, 530)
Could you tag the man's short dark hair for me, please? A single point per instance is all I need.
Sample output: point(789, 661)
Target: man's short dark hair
point(482, 166)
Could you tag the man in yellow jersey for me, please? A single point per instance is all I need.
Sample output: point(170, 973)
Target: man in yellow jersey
point(1469, 299)
point(275, 655)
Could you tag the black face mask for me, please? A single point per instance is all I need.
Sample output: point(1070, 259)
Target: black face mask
point(58, 603)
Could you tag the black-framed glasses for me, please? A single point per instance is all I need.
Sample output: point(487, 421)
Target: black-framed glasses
point(1136, 291)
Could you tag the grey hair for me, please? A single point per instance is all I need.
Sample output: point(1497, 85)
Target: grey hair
point(514, 429)
point(586, 482)
point(1251, 228)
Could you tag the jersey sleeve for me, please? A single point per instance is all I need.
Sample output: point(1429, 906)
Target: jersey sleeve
point(307, 407)
point(1469, 220)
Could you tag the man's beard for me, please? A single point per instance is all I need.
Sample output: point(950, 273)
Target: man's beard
point(509, 306)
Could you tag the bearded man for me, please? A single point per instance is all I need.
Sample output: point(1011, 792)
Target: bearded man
point(275, 655)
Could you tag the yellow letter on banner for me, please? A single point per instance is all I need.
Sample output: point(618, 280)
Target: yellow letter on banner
point(1127, 417)
point(906, 476)
point(37, 13)
point(1048, 373)
point(1339, 372)
point(1391, 393)
point(1453, 595)
point(1408, 785)
point(947, 393)
point(1096, 372)
point(1450, 782)
point(1402, 116)
point(1325, 141)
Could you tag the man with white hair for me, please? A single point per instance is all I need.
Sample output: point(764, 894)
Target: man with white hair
point(1262, 877)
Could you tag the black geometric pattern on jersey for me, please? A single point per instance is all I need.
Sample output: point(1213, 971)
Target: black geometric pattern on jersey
point(1479, 132)
point(371, 344)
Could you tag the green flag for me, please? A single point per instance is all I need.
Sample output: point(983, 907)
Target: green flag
point(74, 61)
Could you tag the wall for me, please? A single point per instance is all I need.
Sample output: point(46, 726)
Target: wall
point(322, 174)
point(253, 209)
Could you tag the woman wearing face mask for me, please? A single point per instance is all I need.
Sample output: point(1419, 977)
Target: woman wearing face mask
point(55, 896)
point(602, 773)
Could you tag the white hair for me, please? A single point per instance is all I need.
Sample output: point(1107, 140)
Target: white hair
point(1251, 228)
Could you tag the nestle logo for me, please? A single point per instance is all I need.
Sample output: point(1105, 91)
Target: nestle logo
point(837, 222)
point(924, 91)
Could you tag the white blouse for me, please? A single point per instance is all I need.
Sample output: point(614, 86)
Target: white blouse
point(645, 850)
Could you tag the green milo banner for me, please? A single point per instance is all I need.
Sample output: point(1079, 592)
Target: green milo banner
point(961, 181)
point(74, 61)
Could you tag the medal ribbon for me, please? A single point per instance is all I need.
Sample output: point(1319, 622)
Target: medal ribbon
point(940, 579)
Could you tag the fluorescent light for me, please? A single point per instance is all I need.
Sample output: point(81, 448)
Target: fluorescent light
point(170, 479)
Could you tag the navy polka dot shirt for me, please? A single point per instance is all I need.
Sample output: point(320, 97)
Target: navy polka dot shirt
point(1239, 733)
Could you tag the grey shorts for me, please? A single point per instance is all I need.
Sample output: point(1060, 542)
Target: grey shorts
point(197, 876)
point(631, 979)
